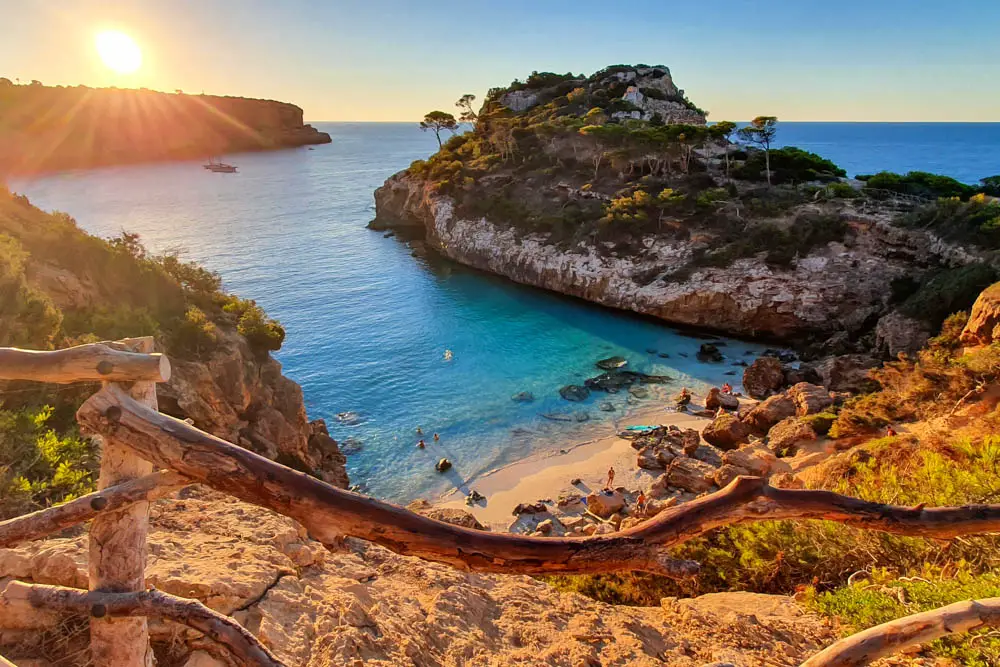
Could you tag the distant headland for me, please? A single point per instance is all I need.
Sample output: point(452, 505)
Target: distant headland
point(46, 128)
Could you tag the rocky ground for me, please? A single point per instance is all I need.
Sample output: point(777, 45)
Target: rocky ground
point(365, 605)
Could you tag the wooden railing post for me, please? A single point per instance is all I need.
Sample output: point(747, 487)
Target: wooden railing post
point(118, 546)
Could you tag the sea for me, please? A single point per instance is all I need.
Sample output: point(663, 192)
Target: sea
point(385, 343)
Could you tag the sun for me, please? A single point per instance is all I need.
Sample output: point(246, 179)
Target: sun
point(118, 51)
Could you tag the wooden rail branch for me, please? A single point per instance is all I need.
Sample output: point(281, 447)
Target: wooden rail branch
point(4, 662)
point(117, 539)
point(53, 519)
point(882, 640)
point(328, 512)
point(242, 646)
point(93, 362)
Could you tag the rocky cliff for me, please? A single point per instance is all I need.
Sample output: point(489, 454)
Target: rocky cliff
point(46, 128)
point(60, 286)
point(842, 286)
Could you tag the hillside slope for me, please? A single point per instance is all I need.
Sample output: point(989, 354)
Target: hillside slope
point(45, 128)
point(60, 286)
point(365, 605)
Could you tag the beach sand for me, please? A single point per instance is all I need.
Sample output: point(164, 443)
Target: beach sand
point(547, 476)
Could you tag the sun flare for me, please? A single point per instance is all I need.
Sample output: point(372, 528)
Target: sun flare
point(118, 51)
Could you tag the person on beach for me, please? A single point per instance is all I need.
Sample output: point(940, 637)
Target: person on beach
point(890, 431)
point(640, 503)
point(727, 388)
point(421, 445)
point(611, 478)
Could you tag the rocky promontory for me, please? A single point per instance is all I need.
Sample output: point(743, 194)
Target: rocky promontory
point(49, 128)
point(580, 186)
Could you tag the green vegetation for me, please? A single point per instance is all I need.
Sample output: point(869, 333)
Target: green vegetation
point(761, 132)
point(107, 289)
point(790, 165)
point(39, 466)
point(882, 598)
point(918, 184)
point(949, 291)
point(782, 244)
point(976, 220)
point(437, 121)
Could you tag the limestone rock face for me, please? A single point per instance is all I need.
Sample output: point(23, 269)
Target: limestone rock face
point(834, 288)
point(726, 432)
point(897, 334)
point(763, 377)
point(848, 372)
point(241, 396)
point(983, 326)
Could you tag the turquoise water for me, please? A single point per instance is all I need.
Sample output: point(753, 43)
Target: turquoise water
point(368, 324)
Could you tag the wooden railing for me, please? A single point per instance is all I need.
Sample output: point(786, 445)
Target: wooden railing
point(138, 437)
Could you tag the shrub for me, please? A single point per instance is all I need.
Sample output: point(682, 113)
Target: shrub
point(788, 165)
point(948, 292)
point(263, 333)
point(920, 184)
point(976, 221)
point(38, 466)
point(841, 191)
point(27, 317)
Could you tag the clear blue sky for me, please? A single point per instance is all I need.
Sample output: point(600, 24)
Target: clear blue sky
point(907, 60)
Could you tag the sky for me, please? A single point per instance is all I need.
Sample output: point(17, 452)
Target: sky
point(394, 60)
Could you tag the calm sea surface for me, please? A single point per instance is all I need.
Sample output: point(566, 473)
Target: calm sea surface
point(368, 324)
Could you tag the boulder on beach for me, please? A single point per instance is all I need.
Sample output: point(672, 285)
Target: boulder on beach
point(690, 475)
point(809, 398)
point(611, 363)
point(529, 508)
point(605, 503)
point(717, 399)
point(785, 437)
point(763, 377)
point(769, 412)
point(574, 392)
point(726, 432)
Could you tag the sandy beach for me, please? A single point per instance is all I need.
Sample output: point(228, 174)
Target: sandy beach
point(548, 475)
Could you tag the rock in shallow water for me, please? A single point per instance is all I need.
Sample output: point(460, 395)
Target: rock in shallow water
point(523, 397)
point(574, 392)
point(612, 363)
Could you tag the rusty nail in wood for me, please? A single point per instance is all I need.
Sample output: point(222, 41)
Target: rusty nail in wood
point(99, 503)
point(98, 611)
point(113, 413)
point(105, 367)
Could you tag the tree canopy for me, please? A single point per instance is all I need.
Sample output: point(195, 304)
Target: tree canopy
point(436, 121)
